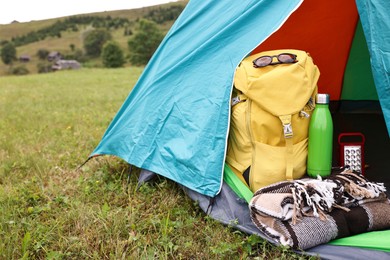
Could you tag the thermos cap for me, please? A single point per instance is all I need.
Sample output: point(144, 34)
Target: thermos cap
point(322, 99)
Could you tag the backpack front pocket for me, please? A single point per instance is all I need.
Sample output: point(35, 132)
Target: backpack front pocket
point(269, 163)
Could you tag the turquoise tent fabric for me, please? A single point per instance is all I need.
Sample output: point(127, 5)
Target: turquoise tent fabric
point(175, 121)
point(375, 19)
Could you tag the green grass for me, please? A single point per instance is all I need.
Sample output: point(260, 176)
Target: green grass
point(49, 124)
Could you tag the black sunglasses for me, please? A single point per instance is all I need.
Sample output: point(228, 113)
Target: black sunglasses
point(267, 60)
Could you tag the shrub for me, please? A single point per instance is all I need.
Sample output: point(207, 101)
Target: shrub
point(44, 67)
point(94, 41)
point(42, 54)
point(144, 42)
point(20, 70)
point(112, 55)
point(8, 53)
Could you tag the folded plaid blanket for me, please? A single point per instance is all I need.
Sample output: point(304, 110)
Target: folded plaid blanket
point(308, 212)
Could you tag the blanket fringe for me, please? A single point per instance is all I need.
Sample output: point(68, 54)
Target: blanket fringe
point(317, 197)
point(312, 197)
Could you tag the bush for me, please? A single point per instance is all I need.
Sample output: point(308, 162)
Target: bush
point(77, 54)
point(42, 54)
point(44, 67)
point(94, 41)
point(112, 55)
point(8, 53)
point(144, 42)
point(20, 70)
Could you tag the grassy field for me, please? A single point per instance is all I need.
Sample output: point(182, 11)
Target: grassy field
point(50, 209)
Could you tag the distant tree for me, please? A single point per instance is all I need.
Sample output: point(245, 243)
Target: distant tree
point(74, 28)
point(42, 54)
point(127, 31)
point(144, 42)
point(69, 24)
point(161, 15)
point(94, 41)
point(3, 42)
point(112, 55)
point(8, 53)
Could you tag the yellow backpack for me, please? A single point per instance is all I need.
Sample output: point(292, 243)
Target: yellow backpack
point(271, 108)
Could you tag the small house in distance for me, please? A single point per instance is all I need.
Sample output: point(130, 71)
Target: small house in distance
point(66, 64)
point(24, 58)
point(54, 56)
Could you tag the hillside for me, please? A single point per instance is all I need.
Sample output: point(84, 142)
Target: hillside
point(70, 41)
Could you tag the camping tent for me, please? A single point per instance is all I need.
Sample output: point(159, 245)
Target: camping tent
point(175, 122)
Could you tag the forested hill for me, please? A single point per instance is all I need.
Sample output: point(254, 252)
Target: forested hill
point(24, 33)
point(66, 35)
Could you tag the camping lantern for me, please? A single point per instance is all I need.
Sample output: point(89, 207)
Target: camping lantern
point(352, 151)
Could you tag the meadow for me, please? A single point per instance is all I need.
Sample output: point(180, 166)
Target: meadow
point(52, 209)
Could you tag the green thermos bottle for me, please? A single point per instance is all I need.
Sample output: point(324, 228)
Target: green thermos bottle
point(319, 159)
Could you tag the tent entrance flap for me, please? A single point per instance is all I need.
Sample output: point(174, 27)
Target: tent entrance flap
point(176, 120)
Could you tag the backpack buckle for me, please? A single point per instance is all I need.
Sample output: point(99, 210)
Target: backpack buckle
point(304, 114)
point(287, 130)
point(287, 127)
point(235, 100)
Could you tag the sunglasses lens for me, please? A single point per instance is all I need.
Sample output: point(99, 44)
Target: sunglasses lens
point(263, 61)
point(286, 58)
